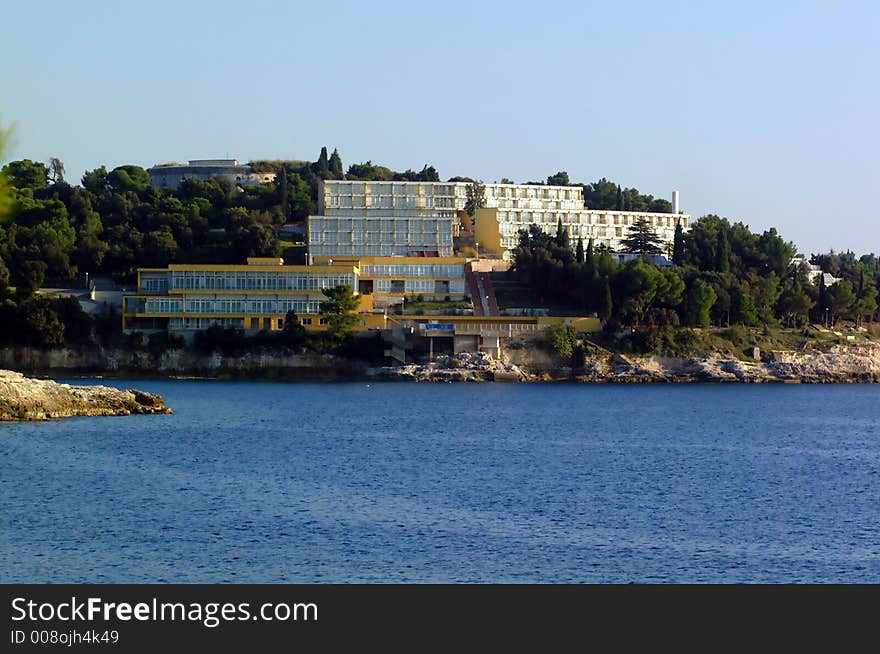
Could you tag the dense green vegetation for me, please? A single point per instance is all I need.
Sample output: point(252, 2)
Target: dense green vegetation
point(723, 275)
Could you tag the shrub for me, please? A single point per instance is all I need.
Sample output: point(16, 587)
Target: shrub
point(563, 340)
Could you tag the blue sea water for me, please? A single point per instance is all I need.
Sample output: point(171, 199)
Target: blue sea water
point(292, 482)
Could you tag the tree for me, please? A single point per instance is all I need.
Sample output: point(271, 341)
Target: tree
point(96, 181)
point(722, 253)
point(607, 304)
point(40, 324)
point(335, 165)
point(559, 179)
point(699, 301)
point(294, 332)
point(428, 174)
point(562, 238)
point(129, 178)
point(28, 276)
point(794, 303)
point(476, 198)
point(26, 174)
point(678, 244)
point(642, 239)
point(579, 251)
point(618, 202)
point(322, 166)
point(589, 261)
point(745, 311)
point(369, 172)
point(865, 305)
point(563, 340)
point(5, 194)
point(642, 287)
point(341, 308)
point(840, 299)
point(600, 194)
point(56, 170)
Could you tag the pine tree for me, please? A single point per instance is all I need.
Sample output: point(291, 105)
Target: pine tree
point(678, 245)
point(579, 251)
point(335, 165)
point(642, 239)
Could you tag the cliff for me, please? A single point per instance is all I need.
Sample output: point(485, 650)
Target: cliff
point(22, 398)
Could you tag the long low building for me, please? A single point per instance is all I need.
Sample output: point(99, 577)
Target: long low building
point(497, 230)
point(170, 176)
point(378, 218)
point(259, 295)
point(252, 297)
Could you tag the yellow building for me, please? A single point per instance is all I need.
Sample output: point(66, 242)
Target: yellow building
point(258, 296)
point(391, 279)
point(252, 297)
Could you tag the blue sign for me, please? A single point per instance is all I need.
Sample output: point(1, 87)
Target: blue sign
point(434, 325)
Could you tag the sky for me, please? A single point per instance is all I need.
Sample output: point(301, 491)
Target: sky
point(763, 112)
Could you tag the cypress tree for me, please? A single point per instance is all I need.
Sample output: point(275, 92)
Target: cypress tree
point(588, 257)
point(678, 245)
point(619, 204)
point(579, 251)
point(322, 166)
point(562, 235)
point(722, 253)
point(607, 305)
point(335, 164)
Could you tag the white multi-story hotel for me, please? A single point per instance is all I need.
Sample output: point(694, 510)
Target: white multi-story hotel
point(362, 218)
point(380, 236)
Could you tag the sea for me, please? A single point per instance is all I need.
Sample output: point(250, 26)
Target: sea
point(450, 483)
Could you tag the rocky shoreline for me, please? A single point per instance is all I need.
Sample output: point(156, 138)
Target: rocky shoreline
point(25, 399)
point(842, 364)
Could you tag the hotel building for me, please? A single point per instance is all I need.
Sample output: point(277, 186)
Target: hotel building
point(251, 297)
point(258, 296)
point(364, 218)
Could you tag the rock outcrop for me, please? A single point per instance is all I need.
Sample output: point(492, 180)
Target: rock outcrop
point(458, 367)
point(841, 364)
point(22, 398)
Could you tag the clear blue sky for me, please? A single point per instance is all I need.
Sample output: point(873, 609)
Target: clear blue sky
point(765, 112)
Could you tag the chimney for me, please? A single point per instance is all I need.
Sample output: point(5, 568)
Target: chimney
point(676, 202)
